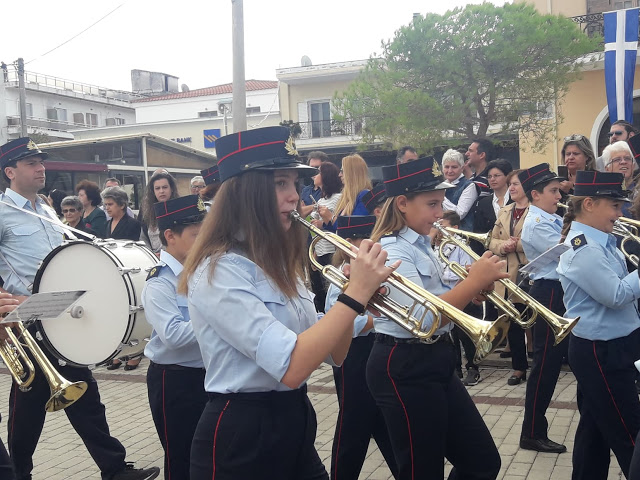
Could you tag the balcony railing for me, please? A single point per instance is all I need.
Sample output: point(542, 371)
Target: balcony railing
point(44, 123)
point(329, 128)
point(592, 24)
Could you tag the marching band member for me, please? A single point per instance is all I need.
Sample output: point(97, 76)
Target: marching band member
point(8, 303)
point(254, 319)
point(604, 344)
point(25, 241)
point(427, 410)
point(359, 418)
point(374, 199)
point(175, 378)
point(541, 231)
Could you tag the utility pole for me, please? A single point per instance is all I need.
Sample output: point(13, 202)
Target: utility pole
point(239, 105)
point(23, 99)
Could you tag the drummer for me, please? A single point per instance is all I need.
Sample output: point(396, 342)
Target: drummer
point(25, 240)
point(175, 379)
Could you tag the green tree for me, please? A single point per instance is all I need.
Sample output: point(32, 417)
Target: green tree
point(473, 71)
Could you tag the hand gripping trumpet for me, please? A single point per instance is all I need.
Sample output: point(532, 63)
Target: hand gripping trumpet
point(486, 336)
point(14, 356)
point(559, 325)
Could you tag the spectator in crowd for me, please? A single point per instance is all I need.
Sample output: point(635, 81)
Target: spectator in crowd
point(55, 197)
point(71, 208)
point(478, 155)
point(162, 187)
point(310, 193)
point(618, 158)
point(94, 217)
point(328, 180)
point(114, 182)
point(488, 207)
point(577, 154)
point(197, 184)
point(620, 131)
point(406, 154)
point(462, 197)
point(355, 176)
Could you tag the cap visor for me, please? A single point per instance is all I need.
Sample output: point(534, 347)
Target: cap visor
point(303, 170)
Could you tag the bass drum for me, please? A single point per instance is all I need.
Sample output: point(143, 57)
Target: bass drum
point(112, 323)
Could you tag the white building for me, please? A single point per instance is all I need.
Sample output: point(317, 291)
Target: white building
point(55, 106)
point(196, 118)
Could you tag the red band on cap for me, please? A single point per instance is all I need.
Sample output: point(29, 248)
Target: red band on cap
point(175, 211)
point(249, 148)
point(406, 176)
point(355, 226)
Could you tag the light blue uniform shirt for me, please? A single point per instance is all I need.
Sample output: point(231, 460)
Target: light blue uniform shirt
point(540, 232)
point(421, 266)
point(597, 286)
point(25, 241)
point(172, 339)
point(360, 321)
point(246, 327)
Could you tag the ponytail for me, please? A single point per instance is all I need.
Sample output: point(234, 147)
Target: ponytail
point(574, 208)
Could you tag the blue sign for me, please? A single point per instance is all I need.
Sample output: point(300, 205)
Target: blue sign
point(210, 137)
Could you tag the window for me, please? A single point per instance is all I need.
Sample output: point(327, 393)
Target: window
point(621, 5)
point(92, 119)
point(320, 119)
point(29, 110)
point(110, 122)
point(57, 114)
point(212, 113)
point(251, 110)
point(78, 118)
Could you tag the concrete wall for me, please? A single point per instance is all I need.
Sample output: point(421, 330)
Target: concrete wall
point(304, 93)
point(568, 8)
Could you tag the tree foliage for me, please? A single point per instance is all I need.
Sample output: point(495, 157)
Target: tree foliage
point(473, 71)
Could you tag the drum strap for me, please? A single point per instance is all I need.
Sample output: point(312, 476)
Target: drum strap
point(51, 220)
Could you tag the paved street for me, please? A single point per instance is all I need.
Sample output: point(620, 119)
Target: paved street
point(62, 455)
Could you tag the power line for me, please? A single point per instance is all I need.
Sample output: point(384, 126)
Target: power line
point(75, 36)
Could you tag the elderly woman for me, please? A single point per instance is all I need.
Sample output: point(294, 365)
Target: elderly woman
point(577, 154)
point(71, 209)
point(120, 226)
point(618, 158)
point(461, 198)
point(93, 217)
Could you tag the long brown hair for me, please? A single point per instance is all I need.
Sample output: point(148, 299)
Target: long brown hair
point(245, 217)
point(148, 213)
point(355, 175)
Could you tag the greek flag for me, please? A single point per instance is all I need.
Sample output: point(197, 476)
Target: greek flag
point(620, 49)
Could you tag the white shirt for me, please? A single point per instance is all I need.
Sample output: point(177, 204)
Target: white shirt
point(465, 202)
point(496, 205)
point(323, 247)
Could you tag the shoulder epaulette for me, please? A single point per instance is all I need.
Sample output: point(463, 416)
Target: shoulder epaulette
point(579, 241)
point(391, 234)
point(154, 272)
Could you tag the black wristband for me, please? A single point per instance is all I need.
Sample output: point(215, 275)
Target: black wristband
point(352, 304)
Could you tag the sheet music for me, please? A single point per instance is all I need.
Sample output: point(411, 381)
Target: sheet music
point(541, 261)
point(44, 306)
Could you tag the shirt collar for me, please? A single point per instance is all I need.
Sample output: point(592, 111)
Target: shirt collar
point(599, 236)
point(552, 217)
point(411, 236)
point(171, 262)
point(19, 200)
point(457, 180)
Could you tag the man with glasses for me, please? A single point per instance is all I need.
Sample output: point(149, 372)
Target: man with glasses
point(619, 131)
point(197, 184)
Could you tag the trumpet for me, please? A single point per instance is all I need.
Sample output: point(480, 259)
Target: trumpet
point(559, 325)
point(628, 229)
point(486, 336)
point(14, 356)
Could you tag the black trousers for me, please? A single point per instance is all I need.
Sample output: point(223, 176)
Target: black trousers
point(87, 416)
point(516, 336)
point(177, 399)
point(318, 284)
point(608, 404)
point(6, 467)
point(359, 418)
point(547, 361)
point(460, 337)
point(266, 435)
point(428, 412)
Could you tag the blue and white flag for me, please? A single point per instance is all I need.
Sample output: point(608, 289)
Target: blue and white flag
point(620, 50)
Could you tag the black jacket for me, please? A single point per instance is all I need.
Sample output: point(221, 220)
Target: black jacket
point(127, 229)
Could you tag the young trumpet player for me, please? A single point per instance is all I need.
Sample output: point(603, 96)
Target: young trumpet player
point(541, 231)
point(255, 320)
point(604, 344)
point(359, 418)
point(428, 412)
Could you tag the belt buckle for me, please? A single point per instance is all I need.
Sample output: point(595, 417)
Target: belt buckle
point(432, 340)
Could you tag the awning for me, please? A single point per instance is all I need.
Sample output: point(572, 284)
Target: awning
point(74, 167)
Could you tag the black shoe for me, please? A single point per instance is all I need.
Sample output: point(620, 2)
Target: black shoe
point(541, 445)
point(473, 377)
point(517, 380)
point(131, 473)
point(505, 355)
point(113, 366)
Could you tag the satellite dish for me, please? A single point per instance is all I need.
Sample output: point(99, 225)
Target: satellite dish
point(184, 87)
point(305, 61)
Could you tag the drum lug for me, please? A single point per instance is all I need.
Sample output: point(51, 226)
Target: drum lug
point(127, 270)
point(39, 336)
point(133, 342)
point(92, 366)
point(76, 311)
point(135, 308)
point(62, 363)
point(128, 244)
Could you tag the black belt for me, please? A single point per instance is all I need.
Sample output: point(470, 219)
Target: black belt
point(542, 281)
point(389, 340)
point(176, 367)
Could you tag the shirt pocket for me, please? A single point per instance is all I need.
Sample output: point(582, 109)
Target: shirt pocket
point(425, 268)
point(24, 230)
point(270, 295)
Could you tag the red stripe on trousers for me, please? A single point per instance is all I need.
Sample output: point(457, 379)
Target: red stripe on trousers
point(406, 415)
point(166, 437)
point(215, 438)
point(544, 356)
point(335, 473)
point(613, 400)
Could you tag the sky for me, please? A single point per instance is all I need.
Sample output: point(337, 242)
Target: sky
point(191, 39)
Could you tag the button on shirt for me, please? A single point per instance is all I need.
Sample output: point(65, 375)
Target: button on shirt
point(421, 266)
point(172, 339)
point(246, 327)
point(25, 240)
point(540, 232)
point(598, 287)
